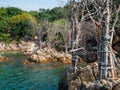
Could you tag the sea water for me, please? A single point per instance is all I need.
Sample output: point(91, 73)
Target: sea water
point(15, 76)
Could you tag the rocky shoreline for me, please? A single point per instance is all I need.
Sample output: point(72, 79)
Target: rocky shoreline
point(36, 55)
point(23, 46)
point(86, 79)
point(47, 55)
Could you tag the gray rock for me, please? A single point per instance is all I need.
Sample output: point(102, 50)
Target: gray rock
point(84, 79)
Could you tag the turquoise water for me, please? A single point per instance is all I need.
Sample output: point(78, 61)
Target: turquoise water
point(15, 76)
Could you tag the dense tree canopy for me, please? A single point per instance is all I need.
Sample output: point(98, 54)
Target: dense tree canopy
point(50, 25)
point(16, 24)
point(46, 24)
point(12, 11)
point(22, 25)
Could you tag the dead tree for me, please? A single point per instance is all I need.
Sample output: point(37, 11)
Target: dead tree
point(79, 36)
point(106, 58)
point(42, 29)
point(78, 17)
point(51, 35)
point(66, 36)
point(100, 13)
point(73, 26)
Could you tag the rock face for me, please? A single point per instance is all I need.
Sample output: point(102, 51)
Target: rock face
point(86, 79)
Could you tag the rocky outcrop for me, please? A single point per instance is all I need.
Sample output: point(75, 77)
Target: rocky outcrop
point(36, 55)
point(47, 55)
point(23, 46)
point(85, 79)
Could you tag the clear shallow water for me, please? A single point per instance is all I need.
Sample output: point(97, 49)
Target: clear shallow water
point(14, 76)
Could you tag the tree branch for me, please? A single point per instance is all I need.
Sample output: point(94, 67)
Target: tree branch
point(113, 27)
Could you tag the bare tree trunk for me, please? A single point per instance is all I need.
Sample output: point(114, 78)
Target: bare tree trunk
point(40, 45)
point(73, 32)
point(107, 64)
point(66, 50)
point(105, 40)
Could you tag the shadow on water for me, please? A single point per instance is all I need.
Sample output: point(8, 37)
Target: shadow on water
point(15, 76)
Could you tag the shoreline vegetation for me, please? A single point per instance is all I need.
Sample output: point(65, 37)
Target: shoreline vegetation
point(21, 30)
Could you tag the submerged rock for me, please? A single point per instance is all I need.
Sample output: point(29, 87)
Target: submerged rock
point(2, 58)
point(26, 62)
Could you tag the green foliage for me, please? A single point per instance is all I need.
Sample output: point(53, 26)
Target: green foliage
point(3, 13)
point(34, 14)
point(58, 41)
point(16, 24)
point(60, 23)
point(58, 27)
point(56, 13)
point(4, 25)
point(4, 22)
point(50, 15)
point(22, 25)
point(44, 14)
point(12, 11)
point(66, 11)
point(5, 38)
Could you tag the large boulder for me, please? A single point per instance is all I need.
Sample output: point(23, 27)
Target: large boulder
point(14, 47)
point(42, 59)
point(116, 87)
point(38, 59)
point(86, 79)
point(75, 81)
point(34, 57)
point(63, 58)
